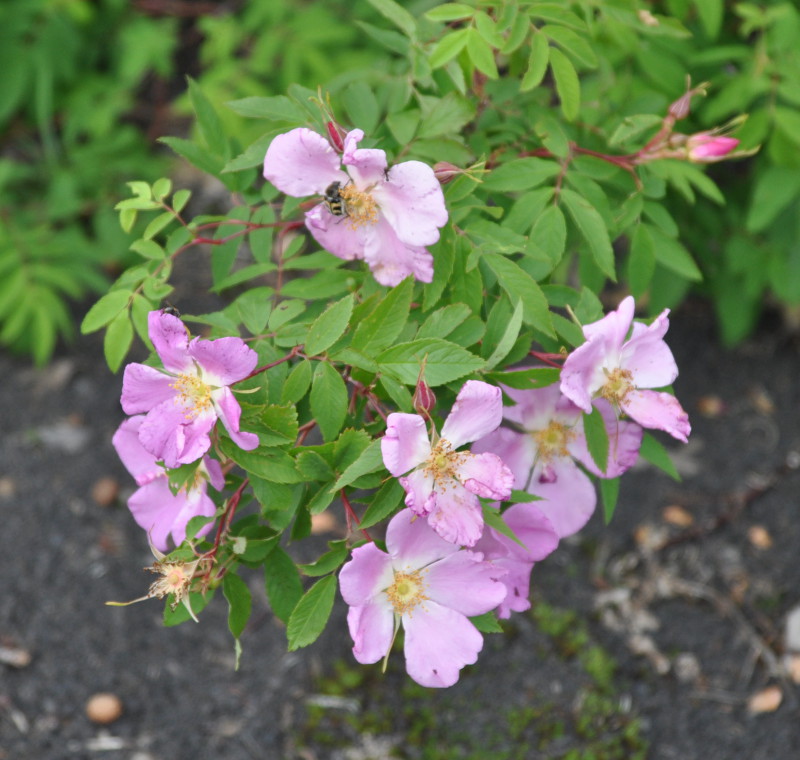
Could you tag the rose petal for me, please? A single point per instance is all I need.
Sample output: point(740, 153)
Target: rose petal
point(464, 583)
point(568, 496)
point(372, 629)
point(390, 260)
point(582, 373)
point(302, 162)
point(224, 361)
point(648, 358)
point(335, 234)
point(516, 450)
point(418, 486)
point(405, 444)
point(229, 412)
point(614, 326)
point(137, 460)
point(485, 475)
point(477, 411)
point(412, 544)
point(624, 442)
point(167, 435)
point(413, 203)
point(438, 643)
point(170, 339)
point(365, 575)
point(144, 388)
point(366, 166)
point(534, 528)
point(456, 515)
point(659, 410)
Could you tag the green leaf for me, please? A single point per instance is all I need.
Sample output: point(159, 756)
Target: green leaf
point(384, 503)
point(383, 325)
point(158, 224)
point(448, 47)
point(450, 12)
point(208, 121)
point(275, 466)
point(775, 188)
point(549, 232)
point(398, 15)
point(609, 491)
point(328, 400)
point(118, 339)
point(537, 63)
point(180, 199)
point(710, 13)
point(653, 451)
point(573, 43)
point(481, 54)
point(194, 154)
point(277, 108)
point(445, 116)
point(328, 327)
point(486, 623)
point(509, 338)
point(596, 438)
point(297, 383)
point(105, 310)
point(494, 519)
point(239, 603)
point(591, 225)
point(444, 361)
point(370, 460)
point(672, 255)
point(180, 614)
point(641, 260)
point(443, 321)
point(361, 105)
point(312, 611)
point(149, 249)
point(568, 86)
point(284, 587)
point(162, 188)
point(329, 561)
point(536, 377)
point(520, 286)
point(521, 174)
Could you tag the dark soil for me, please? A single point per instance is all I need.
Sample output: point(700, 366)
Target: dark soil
point(693, 616)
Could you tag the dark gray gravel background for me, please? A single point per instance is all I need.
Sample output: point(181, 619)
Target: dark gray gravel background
point(683, 622)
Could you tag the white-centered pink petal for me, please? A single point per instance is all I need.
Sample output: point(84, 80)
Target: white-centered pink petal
point(613, 327)
point(144, 388)
point(456, 515)
point(659, 410)
point(568, 496)
point(405, 443)
point(223, 361)
point(391, 260)
point(648, 358)
point(229, 412)
point(170, 341)
point(464, 584)
point(302, 162)
point(477, 411)
point(486, 476)
point(412, 544)
point(372, 628)
point(367, 574)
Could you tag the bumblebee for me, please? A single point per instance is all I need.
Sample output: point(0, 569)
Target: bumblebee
point(334, 201)
point(171, 310)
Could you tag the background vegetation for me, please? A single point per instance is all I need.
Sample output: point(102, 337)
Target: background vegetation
point(89, 86)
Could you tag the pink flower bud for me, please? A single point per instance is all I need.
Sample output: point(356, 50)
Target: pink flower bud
point(337, 135)
point(446, 172)
point(705, 147)
point(424, 399)
point(680, 108)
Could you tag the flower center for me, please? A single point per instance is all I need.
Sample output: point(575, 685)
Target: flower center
point(193, 394)
point(619, 384)
point(360, 205)
point(443, 463)
point(552, 442)
point(407, 591)
point(176, 577)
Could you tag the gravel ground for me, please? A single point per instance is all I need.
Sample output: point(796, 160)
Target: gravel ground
point(688, 592)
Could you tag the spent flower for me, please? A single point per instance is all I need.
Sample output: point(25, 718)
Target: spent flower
point(383, 215)
point(444, 484)
point(427, 585)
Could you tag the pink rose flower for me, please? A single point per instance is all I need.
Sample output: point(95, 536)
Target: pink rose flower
point(609, 366)
point(539, 538)
point(543, 456)
point(427, 585)
point(384, 216)
point(154, 507)
point(184, 402)
point(445, 484)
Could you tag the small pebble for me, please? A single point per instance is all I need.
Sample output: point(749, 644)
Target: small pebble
point(105, 491)
point(7, 488)
point(104, 708)
point(766, 700)
point(759, 536)
point(676, 515)
point(711, 406)
point(324, 522)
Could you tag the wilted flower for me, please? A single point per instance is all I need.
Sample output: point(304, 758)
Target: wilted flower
point(385, 216)
point(609, 366)
point(154, 507)
point(184, 402)
point(543, 449)
point(428, 585)
point(445, 484)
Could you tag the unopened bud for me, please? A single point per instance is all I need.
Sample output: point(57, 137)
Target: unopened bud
point(446, 172)
point(680, 108)
point(705, 147)
point(337, 135)
point(424, 399)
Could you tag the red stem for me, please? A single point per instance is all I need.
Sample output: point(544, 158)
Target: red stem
point(351, 516)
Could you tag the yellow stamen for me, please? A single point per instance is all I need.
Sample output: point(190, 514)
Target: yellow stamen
point(360, 205)
point(552, 442)
point(193, 395)
point(407, 591)
point(618, 385)
point(443, 464)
